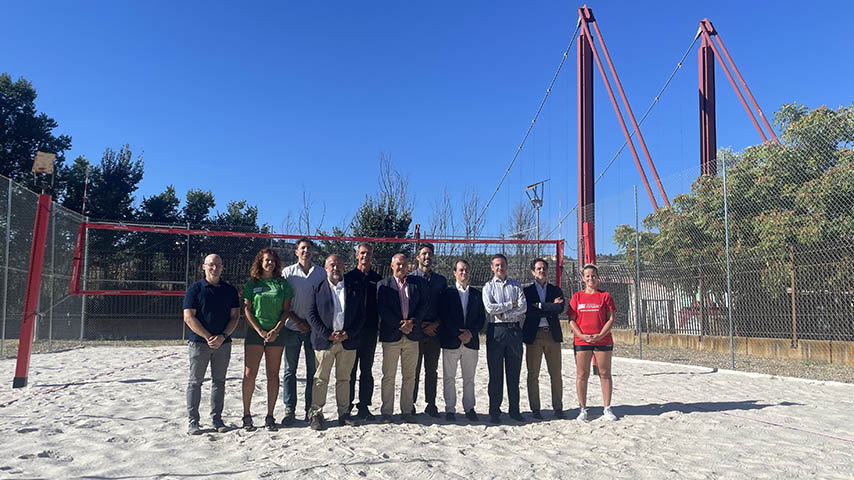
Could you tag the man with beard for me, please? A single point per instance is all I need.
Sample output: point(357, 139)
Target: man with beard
point(430, 346)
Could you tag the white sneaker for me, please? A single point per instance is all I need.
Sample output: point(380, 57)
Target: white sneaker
point(608, 414)
point(582, 415)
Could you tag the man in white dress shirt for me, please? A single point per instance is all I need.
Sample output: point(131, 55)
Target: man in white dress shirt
point(505, 304)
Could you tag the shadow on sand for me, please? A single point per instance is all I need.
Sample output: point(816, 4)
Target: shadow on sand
point(661, 408)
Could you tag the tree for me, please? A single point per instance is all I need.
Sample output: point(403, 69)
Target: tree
point(472, 223)
point(112, 185)
point(305, 215)
point(387, 213)
point(197, 206)
point(789, 204)
point(23, 131)
point(71, 182)
point(442, 224)
point(520, 225)
point(161, 208)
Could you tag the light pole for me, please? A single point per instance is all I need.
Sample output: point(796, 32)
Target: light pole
point(534, 192)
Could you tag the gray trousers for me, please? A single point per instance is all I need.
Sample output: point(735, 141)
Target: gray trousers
point(200, 355)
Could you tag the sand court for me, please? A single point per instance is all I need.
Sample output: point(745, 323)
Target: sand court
point(119, 413)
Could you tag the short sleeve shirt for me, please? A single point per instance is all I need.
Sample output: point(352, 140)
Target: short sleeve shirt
point(213, 304)
point(590, 312)
point(267, 298)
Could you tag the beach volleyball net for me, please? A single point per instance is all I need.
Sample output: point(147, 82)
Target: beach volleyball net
point(133, 277)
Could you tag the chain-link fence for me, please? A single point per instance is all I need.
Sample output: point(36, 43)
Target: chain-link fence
point(145, 260)
point(768, 261)
point(59, 319)
point(770, 272)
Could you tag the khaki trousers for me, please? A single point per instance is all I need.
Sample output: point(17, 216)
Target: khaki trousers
point(544, 345)
point(343, 361)
point(467, 359)
point(406, 351)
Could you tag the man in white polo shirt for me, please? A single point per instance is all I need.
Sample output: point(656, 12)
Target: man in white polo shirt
point(304, 276)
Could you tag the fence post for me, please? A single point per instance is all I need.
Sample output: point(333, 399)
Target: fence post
point(702, 301)
point(187, 282)
point(6, 267)
point(52, 278)
point(794, 310)
point(85, 280)
point(728, 275)
point(637, 277)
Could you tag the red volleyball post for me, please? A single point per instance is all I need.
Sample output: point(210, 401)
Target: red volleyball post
point(586, 174)
point(708, 137)
point(31, 299)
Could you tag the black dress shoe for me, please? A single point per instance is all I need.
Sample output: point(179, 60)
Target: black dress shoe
point(517, 416)
point(408, 418)
point(386, 419)
point(432, 411)
point(559, 414)
point(288, 419)
point(536, 414)
point(316, 422)
point(450, 416)
point(494, 419)
point(472, 415)
point(346, 420)
point(362, 413)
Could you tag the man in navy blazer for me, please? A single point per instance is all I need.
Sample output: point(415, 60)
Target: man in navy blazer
point(461, 317)
point(401, 303)
point(336, 316)
point(542, 336)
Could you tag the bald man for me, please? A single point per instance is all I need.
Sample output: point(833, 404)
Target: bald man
point(211, 310)
point(401, 304)
point(336, 315)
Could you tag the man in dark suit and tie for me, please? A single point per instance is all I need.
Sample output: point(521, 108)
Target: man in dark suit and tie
point(401, 303)
point(336, 316)
point(461, 317)
point(542, 336)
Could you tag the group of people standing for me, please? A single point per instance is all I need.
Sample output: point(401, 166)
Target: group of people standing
point(336, 319)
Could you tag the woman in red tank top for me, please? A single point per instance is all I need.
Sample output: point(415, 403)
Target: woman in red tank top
point(591, 314)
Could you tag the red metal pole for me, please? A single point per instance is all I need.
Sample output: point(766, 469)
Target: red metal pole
point(711, 28)
point(559, 263)
point(31, 298)
point(732, 81)
point(586, 173)
point(77, 260)
point(631, 115)
point(708, 137)
point(620, 116)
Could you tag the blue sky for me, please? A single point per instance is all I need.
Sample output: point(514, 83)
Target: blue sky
point(256, 100)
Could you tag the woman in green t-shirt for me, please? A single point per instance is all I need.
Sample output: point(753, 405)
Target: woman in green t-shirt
point(266, 304)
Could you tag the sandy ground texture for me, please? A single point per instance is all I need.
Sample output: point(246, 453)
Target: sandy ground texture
point(119, 413)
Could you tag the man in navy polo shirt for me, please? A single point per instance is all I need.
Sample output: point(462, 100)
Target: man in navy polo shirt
point(211, 310)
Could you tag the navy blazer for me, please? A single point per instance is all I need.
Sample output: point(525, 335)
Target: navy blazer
point(370, 281)
point(451, 318)
point(388, 306)
point(322, 312)
point(550, 310)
